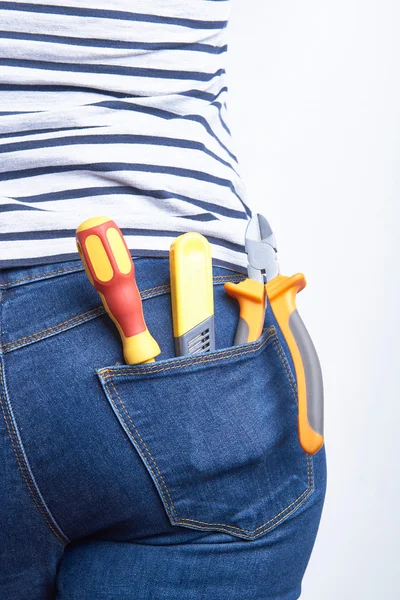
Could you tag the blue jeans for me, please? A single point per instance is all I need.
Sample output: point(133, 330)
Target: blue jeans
point(182, 479)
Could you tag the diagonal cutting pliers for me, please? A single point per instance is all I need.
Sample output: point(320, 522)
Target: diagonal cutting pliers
point(265, 284)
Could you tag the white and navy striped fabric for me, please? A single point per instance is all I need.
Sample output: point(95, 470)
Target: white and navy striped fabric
point(116, 108)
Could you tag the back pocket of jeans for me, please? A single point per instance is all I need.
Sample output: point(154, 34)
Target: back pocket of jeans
point(218, 435)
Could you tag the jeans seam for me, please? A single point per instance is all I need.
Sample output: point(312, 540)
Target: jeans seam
point(181, 363)
point(285, 364)
point(92, 314)
point(78, 268)
point(293, 384)
point(41, 276)
point(24, 466)
point(34, 337)
point(219, 526)
point(108, 380)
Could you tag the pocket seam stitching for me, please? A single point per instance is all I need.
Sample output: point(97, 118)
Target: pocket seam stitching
point(107, 373)
point(221, 526)
point(107, 378)
point(41, 276)
point(77, 269)
point(285, 364)
point(84, 317)
point(21, 461)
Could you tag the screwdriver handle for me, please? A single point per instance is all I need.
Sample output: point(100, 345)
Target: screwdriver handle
point(250, 295)
point(109, 267)
point(281, 292)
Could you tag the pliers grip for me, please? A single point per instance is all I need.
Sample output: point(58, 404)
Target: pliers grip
point(250, 295)
point(281, 292)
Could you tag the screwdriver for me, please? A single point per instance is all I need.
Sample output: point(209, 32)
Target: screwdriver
point(109, 267)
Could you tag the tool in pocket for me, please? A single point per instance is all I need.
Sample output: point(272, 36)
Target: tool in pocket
point(192, 294)
point(264, 283)
point(109, 267)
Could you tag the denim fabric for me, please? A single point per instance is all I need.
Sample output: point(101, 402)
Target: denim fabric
point(181, 479)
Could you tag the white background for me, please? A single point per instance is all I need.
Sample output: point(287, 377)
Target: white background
point(314, 111)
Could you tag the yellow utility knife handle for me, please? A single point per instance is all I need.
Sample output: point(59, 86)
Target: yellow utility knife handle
point(281, 292)
point(251, 297)
point(192, 294)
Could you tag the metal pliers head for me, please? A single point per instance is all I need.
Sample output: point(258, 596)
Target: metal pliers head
point(260, 246)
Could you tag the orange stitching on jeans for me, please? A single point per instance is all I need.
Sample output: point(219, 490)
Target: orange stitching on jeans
point(306, 493)
point(79, 268)
point(41, 275)
point(157, 287)
point(22, 467)
point(80, 318)
point(265, 530)
point(285, 364)
point(229, 277)
point(166, 286)
point(143, 442)
point(207, 358)
point(32, 337)
point(310, 471)
point(139, 449)
point(221, 526)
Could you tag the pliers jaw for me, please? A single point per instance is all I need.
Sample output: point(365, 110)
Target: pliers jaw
point(260, 246)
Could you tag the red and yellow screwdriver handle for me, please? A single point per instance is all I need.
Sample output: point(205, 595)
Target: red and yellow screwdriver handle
point(109, 267)
point(281, 292)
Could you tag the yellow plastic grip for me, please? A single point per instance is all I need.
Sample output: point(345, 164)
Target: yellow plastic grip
point(192, 295)
point(281, 292)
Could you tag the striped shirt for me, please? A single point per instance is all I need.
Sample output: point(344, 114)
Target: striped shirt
point(116, 108)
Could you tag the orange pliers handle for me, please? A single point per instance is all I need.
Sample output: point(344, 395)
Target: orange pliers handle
point(281, 293)
point(250, 295)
